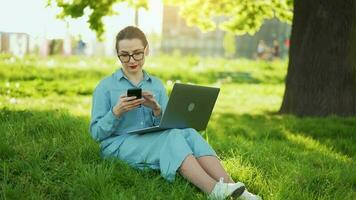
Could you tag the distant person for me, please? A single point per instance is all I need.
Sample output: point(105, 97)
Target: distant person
point(81, 45)
point(287, 43)
point(276, 49)
point(182, 150)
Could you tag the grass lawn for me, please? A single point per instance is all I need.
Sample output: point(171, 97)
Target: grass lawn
point(46, 151)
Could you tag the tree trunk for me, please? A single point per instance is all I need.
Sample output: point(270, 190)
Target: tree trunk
point(321, 78)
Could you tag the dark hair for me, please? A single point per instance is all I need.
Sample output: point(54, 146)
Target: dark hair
point(130, 32)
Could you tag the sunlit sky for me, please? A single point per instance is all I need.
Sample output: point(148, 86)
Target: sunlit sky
point(34, 18)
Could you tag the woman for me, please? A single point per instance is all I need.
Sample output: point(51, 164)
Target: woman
point(182, 150)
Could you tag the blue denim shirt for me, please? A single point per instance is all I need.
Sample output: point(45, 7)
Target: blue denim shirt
point(110, 130)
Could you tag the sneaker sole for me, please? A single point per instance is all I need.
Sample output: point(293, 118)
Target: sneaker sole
point(238, 192)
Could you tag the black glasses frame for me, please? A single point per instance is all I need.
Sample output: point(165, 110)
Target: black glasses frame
point(132, 56)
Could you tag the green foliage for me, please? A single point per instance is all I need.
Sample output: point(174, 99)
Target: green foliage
point(240, 16)
point(97, 9)
point(46, 151)
point(229, 45)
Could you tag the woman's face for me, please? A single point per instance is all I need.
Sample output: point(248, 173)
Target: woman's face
point(132, 55)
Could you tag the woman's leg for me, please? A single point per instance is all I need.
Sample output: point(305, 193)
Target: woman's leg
point(193, 172)
point(209, 162)
point(213, 167)
point(205, 155)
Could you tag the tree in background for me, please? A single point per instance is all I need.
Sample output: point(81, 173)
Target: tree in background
point(229, 44)
point(321, 78)
point(98, 9)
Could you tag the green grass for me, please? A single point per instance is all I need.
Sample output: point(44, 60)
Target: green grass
point(46, 151)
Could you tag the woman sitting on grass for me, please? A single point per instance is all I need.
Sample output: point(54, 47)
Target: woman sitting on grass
point(182, 150)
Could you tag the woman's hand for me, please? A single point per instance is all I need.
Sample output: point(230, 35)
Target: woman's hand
point(151, 102)
point(126, 104)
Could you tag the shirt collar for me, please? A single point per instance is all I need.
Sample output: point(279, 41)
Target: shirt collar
point(120, 74)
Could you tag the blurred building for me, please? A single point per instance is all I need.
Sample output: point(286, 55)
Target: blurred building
point(176, 35)
point(14, 43)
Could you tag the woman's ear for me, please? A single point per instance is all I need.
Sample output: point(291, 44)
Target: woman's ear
point(147, 50)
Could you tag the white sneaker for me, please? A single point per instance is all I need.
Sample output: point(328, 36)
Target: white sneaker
point(223, 190)
point(246, 195)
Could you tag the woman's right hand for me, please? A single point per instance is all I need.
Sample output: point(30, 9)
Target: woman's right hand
point(126, 104)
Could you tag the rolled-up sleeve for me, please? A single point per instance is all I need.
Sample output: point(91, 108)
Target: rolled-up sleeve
point(103, 122)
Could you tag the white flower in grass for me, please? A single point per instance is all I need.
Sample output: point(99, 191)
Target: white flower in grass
point(217, 83)
point(13, 100)
point(50, 63)
point(7, 84)
point(169, 82)
point(17, 85)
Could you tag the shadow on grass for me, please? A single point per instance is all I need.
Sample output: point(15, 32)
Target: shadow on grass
point(336, 133)
point(211, 77)
point(288, 157)
point(234, 77)
point(50, 155)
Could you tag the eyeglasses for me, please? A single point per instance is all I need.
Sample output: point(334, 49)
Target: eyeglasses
point(137, 56)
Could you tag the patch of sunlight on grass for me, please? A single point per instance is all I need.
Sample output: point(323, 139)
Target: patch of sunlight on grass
point(250, 98)
point(243, 171)
point(77, 106)
point(312, 144)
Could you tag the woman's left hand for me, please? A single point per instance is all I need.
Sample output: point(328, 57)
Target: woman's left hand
point(151, 102)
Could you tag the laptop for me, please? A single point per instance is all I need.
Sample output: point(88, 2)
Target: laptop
point(189, 106)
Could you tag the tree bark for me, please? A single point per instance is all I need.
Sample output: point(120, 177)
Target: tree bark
point(321, 77)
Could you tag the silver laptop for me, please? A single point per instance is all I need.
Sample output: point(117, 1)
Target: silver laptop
point(189, 106)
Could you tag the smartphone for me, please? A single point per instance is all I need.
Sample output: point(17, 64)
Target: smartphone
point(135, 92)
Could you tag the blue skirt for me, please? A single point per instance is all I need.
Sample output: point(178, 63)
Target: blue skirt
point(163, 150)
